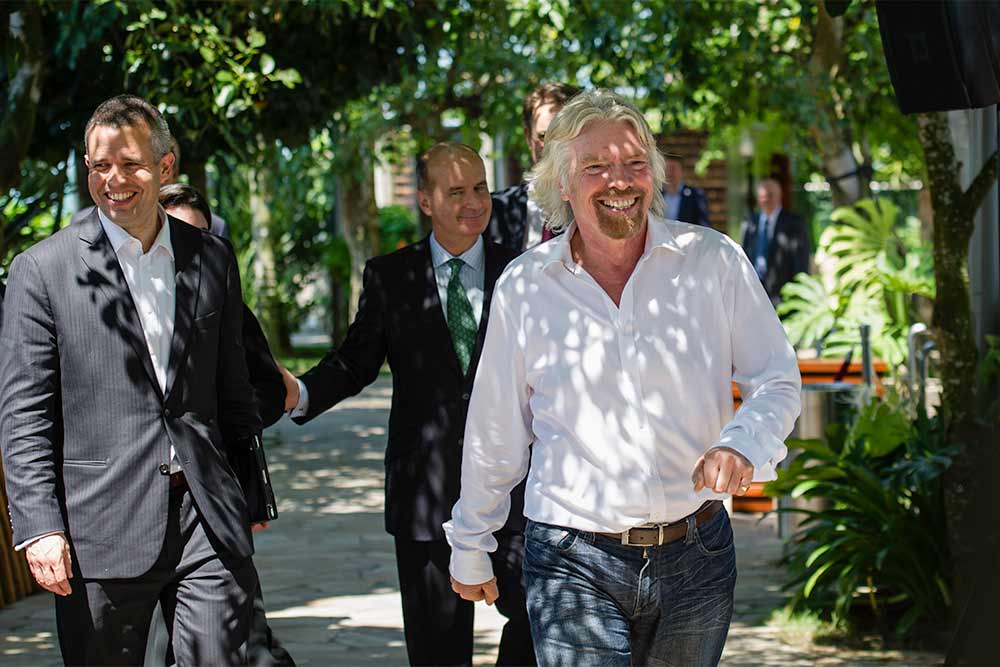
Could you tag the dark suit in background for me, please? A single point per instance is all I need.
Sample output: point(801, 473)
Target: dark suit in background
point(400, 319)
point(788, 250)
point(86, 432)
point(693, 206)
point(509, 218)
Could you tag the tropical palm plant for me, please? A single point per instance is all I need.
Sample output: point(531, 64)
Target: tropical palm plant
point(877, 266)
point(880, 542)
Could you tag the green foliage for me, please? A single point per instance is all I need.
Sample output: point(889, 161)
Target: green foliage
point(397, 228)
point(877, 266)
point(880, 541)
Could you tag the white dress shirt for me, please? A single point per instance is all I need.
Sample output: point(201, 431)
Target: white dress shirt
point(619, 401)
point(472, 276)
point(151, 281)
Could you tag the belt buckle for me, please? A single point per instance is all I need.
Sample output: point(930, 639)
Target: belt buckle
point(628, 543)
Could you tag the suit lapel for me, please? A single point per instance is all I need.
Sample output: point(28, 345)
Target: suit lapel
point(186, 242)
point(437, 318)
point(119, 308)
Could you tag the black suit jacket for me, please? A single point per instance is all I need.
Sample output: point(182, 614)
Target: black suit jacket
point(265, 378)
point(694, 206)
point(400, 318)
point(509, 219)
point(787, 254)
point(85, 428)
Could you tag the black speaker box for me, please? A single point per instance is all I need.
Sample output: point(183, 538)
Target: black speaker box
point(942, 54)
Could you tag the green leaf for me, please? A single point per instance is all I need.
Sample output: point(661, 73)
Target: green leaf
point(805, 487)
point(814, 579)
point(267, 64)
point(256, 38)
point(225, 95)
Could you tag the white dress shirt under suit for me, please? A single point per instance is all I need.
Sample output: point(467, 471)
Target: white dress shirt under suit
point(472, 277)
point(619, 402)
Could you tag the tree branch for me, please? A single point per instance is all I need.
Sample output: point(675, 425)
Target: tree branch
point(973, 197)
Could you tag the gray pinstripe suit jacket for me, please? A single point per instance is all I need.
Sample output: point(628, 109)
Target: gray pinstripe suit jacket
point(84, 426)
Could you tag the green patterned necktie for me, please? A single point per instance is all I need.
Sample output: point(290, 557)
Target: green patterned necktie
point(461, 321)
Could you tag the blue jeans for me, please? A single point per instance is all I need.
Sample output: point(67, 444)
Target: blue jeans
point(594, 601)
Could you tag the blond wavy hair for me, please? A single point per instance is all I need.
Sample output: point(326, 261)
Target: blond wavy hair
point(551, 175)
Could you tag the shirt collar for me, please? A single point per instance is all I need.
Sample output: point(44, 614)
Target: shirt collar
point(119, 237)
point(474, 256)
point(774, 214)
point(658, 235)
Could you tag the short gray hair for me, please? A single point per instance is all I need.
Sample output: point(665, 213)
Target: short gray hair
point(126, 111)
point(552, 173)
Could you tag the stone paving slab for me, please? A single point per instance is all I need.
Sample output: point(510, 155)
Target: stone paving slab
point(328, 570)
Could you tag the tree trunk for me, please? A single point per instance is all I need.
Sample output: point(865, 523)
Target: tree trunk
point(359, 221)
point(24, 90)
point(270, 308)
point(954, 213)
point(830, 133)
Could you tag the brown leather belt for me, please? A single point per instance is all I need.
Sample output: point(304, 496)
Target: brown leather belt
point(654, 536)
point(177, 480)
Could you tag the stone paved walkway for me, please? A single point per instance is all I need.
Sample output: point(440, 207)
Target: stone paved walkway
point(329, 576)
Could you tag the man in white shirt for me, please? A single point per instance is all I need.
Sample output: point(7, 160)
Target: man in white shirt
point(612, 351)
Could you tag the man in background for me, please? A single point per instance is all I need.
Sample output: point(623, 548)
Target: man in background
point(682, 201)
point(776, 241)
point(185, 203)
point(517, 222)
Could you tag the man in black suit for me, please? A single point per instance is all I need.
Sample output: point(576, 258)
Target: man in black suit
point(185, 203)
point(123, 388)
point(516, 222)
point(683, 202)
point(425, 308)
point(776, 241)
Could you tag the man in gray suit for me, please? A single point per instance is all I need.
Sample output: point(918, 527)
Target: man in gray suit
point(123, 388)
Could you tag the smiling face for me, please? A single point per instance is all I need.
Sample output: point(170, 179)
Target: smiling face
point(124, 175)
point(611, 183)
point(457, 198)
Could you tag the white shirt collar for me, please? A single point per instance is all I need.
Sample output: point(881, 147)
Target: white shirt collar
point(119, 237)
point(474, 256)
point(658, 235)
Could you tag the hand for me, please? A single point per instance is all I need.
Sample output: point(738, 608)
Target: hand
point(485, 591)
point(51, 564)
point(722, 470)
point(257, 527)
point(291, 388)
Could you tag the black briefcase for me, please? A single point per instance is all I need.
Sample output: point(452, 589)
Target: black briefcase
point(250, 466)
